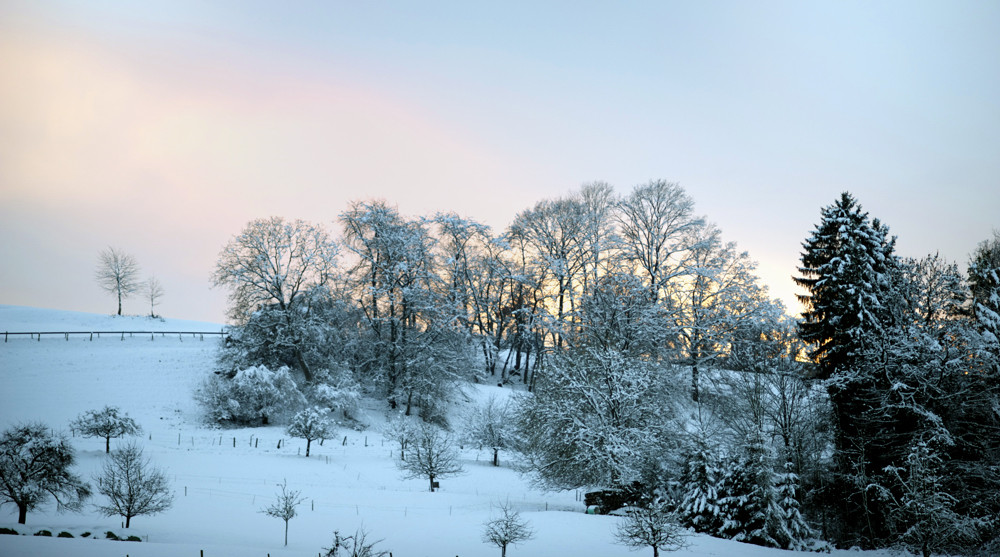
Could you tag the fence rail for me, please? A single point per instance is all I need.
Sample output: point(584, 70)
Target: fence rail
point(37, 335)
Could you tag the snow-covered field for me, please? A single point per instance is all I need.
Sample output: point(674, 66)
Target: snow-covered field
point(219, 488)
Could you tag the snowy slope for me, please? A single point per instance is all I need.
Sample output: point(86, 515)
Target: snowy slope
point(348, 482)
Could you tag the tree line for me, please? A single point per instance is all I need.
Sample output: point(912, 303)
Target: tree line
point(651, 359)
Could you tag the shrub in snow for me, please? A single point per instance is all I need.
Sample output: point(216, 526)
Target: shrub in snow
point(44, 533)
point(652, 526)
point(284, 505)
point(106, 423)
point(336, 390)
point(253, 396)
point(132, 485)
point(432, 456)
point(507, 529)
point(354, 546)
point(310, 424)
point(34, 465)
point(926, 514)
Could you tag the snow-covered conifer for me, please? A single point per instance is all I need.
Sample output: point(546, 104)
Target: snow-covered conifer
point(749, 503)
point(794, 532)
point(699, 507)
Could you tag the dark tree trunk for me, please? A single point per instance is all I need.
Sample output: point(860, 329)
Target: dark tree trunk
point(496, 456)
point(22, 513)
point(107, 445)
point(308, 442)
point(128, 521)
point(302, 364)
point(694, 382)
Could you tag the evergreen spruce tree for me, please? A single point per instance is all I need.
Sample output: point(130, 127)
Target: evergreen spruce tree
point(848, 269)
point(984, 281)
point(847, 266)
point(699, 505)
point(749, 505)
point(794, 533)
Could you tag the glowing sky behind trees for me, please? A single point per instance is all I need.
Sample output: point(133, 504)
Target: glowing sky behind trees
point(162, 128)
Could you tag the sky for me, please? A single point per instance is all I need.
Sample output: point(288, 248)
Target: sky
point(162, 128)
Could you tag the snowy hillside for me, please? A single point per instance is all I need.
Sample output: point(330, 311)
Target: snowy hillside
point(221, 478)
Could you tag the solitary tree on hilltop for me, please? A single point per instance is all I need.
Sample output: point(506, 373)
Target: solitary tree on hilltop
point(153, 291)
point(118, 274)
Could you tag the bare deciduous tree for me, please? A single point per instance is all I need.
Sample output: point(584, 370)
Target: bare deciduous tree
point(274, 263)
point(653, 526)
point(153, 291)
point(132, 485)
point(105, 423)
point(507, 529)
point(432, 456)
point(118, 274)
point(491, 426)
point(284, 506)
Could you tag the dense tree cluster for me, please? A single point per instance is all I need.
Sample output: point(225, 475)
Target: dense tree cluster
point(647, 356)
point(908, 358)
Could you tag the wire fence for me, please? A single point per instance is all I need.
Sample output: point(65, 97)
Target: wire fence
point(37, 335)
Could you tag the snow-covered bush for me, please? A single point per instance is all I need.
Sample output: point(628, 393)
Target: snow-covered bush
point(336, 390)
point(356, 545)
point(254, 396)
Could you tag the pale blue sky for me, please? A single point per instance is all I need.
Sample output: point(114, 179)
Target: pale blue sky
point(162, 127)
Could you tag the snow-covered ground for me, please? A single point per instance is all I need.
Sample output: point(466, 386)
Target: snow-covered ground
point(220, 488)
